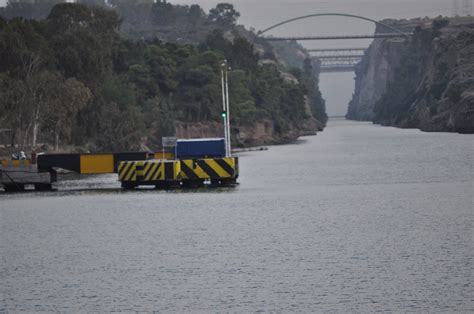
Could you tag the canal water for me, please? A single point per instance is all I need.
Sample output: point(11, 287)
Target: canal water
point(358, 218)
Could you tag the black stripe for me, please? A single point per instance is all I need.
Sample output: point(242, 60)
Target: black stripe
point(188, 172)
point(158, 176)
point(169, 173)
point(212, 174)
point(64, 161)
point(156, 169)
point(236, 169)
point(150, 171)
point(140, 168)
point(125, 168)
point(129, 169)
point(146, 172)
point(158, 166)
point(224, 165)
point(120, 167)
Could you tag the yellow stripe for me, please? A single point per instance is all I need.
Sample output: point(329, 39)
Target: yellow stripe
point(140, 164)
point(96, 164)
point(201, 173)
point(132, 175)
point(120, 167)
point(218, 169)
point(131, 172)
point(149, 175)
point(185, 162)
point(230, 161)
point(160, 173)
point(196, 169)
point(16, 163)
point(147, 168)
point(176, 170)
point(125, 171)
point(166, 156)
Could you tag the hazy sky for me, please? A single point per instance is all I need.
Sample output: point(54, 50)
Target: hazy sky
point(263, 13)
point(337, 88)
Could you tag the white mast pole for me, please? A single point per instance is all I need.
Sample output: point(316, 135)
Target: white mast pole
point(224, 104)
point(229, 144)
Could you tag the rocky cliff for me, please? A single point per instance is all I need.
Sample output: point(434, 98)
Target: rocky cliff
point(287, 57)
point(426, 82)
point(256, 134)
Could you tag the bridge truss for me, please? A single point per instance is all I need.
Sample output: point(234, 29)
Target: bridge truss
point(339, 64)
point(337, 52)
point(337, 59)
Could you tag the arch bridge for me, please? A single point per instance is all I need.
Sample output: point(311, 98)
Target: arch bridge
point(338, 60)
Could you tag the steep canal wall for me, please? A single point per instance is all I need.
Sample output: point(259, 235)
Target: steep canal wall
point(426, 82)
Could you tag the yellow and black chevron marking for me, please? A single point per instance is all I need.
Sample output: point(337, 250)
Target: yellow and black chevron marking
point(149, 171)
point(159, 170)
point(208, 169)
point(153, 171)
point(127, 171)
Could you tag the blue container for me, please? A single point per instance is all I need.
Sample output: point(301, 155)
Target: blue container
point(200, 148)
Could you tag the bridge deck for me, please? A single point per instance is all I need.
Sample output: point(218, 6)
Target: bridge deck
point(337, 37)
point(340, 57)
point(337, 49)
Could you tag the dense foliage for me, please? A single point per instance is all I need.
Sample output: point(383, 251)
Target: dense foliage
point(73, 79)
point(143, 19)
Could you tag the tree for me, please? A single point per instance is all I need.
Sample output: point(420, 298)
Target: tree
point(83, 39)
point(162, 67)
point(92, 2)
point(135, 2)
point(68, 97)
point(440, 23)
point(243, 55)
point(72, 79)
point(120, 130)
point(224, 14)
point(14, 112)
point(163, 13)
point(244, 111)
point(195, 14)
point(199, 94)
point(215, 41)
